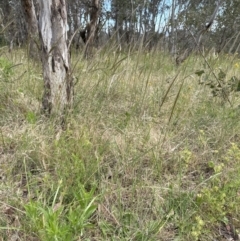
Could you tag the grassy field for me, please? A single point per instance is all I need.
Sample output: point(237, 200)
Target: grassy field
point(151, 150)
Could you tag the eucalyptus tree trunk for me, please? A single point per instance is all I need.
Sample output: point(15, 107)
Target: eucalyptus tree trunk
point(32, 25)
point(58, 87)
point(92, 28)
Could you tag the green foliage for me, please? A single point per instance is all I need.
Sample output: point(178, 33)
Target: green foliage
point(219, 84)
point(59, 221)
point(219, 199)
point(31, 117)
point(6, 69)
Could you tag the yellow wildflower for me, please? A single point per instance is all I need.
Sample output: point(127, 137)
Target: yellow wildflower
point(236, 65)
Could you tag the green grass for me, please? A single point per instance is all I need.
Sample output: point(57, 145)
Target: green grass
point(148, 152)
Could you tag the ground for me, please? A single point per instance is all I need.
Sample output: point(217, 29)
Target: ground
point(150, 150)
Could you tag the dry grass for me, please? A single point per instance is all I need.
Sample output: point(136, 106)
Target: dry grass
point(148, 153)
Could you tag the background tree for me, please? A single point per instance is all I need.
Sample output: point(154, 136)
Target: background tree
point(226, 34)
point(167, 25)
point(32, 25)
point(91, 29)
point(13, 23)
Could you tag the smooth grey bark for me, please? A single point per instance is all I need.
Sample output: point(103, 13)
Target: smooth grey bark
point(58, 87)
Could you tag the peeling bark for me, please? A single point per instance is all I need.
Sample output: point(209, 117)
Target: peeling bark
point(58, 88)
